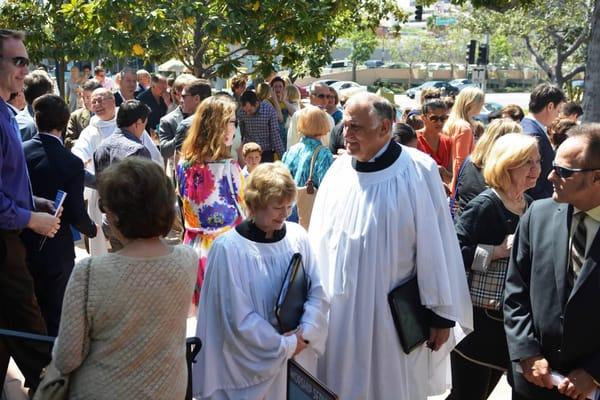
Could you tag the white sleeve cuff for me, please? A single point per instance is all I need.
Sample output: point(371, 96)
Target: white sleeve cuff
point(291, 342)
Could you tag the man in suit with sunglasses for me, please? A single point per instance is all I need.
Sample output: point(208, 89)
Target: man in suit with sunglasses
point(552, 294)
point(319, 97)
point(19, 210)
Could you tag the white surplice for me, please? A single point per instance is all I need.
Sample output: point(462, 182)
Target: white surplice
point(243, 356)
point(371, 232)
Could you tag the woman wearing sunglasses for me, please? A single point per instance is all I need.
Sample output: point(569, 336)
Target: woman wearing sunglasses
point(210, 183)
point(431, 140)
point(485, 232)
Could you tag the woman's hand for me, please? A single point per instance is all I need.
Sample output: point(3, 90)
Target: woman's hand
point(503, 249)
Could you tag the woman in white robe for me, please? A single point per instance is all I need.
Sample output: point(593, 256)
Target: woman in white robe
point(243, 355)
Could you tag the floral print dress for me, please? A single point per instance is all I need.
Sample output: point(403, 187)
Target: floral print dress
point(209, 206)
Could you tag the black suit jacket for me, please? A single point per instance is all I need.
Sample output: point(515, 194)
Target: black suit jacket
point(542, 315)
point(543, 187)
point(51, 168)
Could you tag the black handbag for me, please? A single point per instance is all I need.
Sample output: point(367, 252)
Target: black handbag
point(411, 318)
point(292, 296)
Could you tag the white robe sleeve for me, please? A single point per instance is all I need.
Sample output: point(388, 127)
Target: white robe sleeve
point(314, 320)
point(83, 146)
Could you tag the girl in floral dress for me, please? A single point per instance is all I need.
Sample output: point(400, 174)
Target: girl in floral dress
point(210, 183)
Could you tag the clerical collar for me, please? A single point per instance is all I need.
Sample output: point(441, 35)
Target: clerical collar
point(381, 161)
point(250, 231)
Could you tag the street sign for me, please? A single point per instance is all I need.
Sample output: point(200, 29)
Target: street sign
point(445, 21)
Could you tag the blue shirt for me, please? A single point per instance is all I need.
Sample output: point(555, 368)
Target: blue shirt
point(16, 201)
point(298, 159)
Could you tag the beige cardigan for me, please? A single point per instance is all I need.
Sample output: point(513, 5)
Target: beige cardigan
point(132, 343)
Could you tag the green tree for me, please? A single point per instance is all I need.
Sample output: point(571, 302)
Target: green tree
point(212, 37)
point(362, 43)
point(554, 32)
point(50, 32)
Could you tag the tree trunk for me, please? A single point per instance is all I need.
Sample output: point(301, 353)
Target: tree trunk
point(591, 97)
point(354, 70)
point(61, 66)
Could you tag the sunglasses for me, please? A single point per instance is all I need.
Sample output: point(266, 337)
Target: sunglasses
point(234, 122)
point(324, 96)
point(565, 172)
point(438, 118)
point(18, 61)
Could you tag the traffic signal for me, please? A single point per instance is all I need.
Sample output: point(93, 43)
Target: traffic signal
point(471, 48)
point(483, 56)
point(419, 13)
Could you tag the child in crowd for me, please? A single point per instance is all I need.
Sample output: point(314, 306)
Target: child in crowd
point(252, 153)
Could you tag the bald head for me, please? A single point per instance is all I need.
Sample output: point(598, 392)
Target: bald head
point(103, 104)
point(367, 125)
point(379, 108)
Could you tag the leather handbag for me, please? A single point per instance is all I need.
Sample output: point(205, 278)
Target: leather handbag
point(307, 194)
point(292, 296)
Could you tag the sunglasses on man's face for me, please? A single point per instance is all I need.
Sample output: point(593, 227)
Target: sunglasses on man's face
point(565, 172)
point(321, 96)
point(18, 61)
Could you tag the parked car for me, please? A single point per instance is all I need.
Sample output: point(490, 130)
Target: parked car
point(303, 91)
point(328, 82)
point(460, 84)
point(448, 89)
point(340, 64)
point(487, 108)
point(373, 63)
point(348, 88)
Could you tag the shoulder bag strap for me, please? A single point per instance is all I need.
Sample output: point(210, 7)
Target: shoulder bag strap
point(313, 160)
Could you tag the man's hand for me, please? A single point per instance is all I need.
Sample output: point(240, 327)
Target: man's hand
point(536, 370)
point(44, 224)
point(445, 174)
point(577, 385)
point(301, 344)
point(437, 337)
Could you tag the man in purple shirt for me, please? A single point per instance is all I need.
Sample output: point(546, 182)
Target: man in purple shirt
point(19, 309)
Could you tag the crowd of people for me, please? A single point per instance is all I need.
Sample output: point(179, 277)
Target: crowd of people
point(197, 203)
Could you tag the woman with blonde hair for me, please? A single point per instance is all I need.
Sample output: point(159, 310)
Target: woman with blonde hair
point(470, 181)
point(461, 126)
point(309, 158)
point(485, 233)
point(245, 346)
point(210, 183)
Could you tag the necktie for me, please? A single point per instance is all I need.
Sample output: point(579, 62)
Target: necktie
point(577, 249)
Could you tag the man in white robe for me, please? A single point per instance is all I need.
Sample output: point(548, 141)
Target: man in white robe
point(102, 125)
point(379, 218)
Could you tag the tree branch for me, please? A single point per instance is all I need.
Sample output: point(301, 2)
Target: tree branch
point(570, 75)
point(538, 57)
point(578, 42)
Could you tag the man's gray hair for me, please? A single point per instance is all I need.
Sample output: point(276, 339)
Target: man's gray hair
point(315, 85)
point(127, 70)
point(380, 108)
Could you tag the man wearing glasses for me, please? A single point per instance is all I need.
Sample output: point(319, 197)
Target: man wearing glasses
point(19, 210)
point(319, 97)
point(552, 294)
